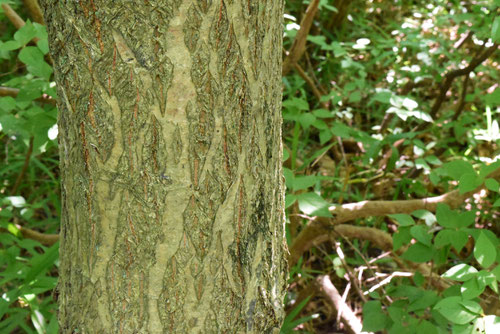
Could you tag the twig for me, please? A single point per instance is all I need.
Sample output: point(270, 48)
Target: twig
point(450, 76)
point(311, 84)
point(461, 103)
point(13, 92)
point(299, 43)
point(347, 317)
point(34, 10)
point(44, 239)
point(317, 230)
point(16, 20)
point(11, 14)
point(25, 167)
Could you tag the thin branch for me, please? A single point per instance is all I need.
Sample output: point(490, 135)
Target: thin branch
point(450, 76)
point(13, 92)
point(461, 103)
point(11, 14)
point(299, 43)
point(317, 230)
point(311, 84)
point(34, 9)
point(16, 20)
point(44, 239)
point(347, 316)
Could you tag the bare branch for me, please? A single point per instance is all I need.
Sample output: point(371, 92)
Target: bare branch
point(13, 92)
point(317, 230)
point(34, 9)
point(347, 316)
point(299, 43)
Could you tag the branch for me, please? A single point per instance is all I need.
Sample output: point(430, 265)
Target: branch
point(347, 316)
point(16, 20)
point(317, 230)
point(450, 76)
point(311, 84)
point(299, 43)
point(44, 239)
point(13, 92)
point(11, 14)
point(34, 10)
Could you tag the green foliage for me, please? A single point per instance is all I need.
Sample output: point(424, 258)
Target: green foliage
point(28, 269)
point(382, 117)
point(379, 67)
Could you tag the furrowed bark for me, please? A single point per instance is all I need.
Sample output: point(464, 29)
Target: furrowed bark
point(170, 144)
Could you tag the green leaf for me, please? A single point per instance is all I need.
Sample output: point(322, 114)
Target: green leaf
point(492, 185)
point(420, 233)
point(401, 237)
point(425, 299)
point(469, 182)
point(426, 215)
point(33, 58)
point(459, 239)
point(427, 328)
point(383, 97)
point(289, 200)
point(484, 250)
point(495, 30)
point(403, 219)
point(314, 205)
point(449, 218)
point(471, 289)
point(341, 130)
point(25, 34)
point(7, 103)
point(304, 182)
point(42, 263)
point(322, 113)
point(458, 311)
point(456, 168)
point(374, 319)
point(419, 253)
point(432, 159)
point(288, 324)
point(493, 98)
point(300, 104)
point(355, 97)
point(306, 120)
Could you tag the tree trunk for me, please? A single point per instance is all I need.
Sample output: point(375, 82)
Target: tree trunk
point(170, 145)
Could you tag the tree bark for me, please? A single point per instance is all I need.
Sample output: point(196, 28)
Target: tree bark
point(170, 146)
